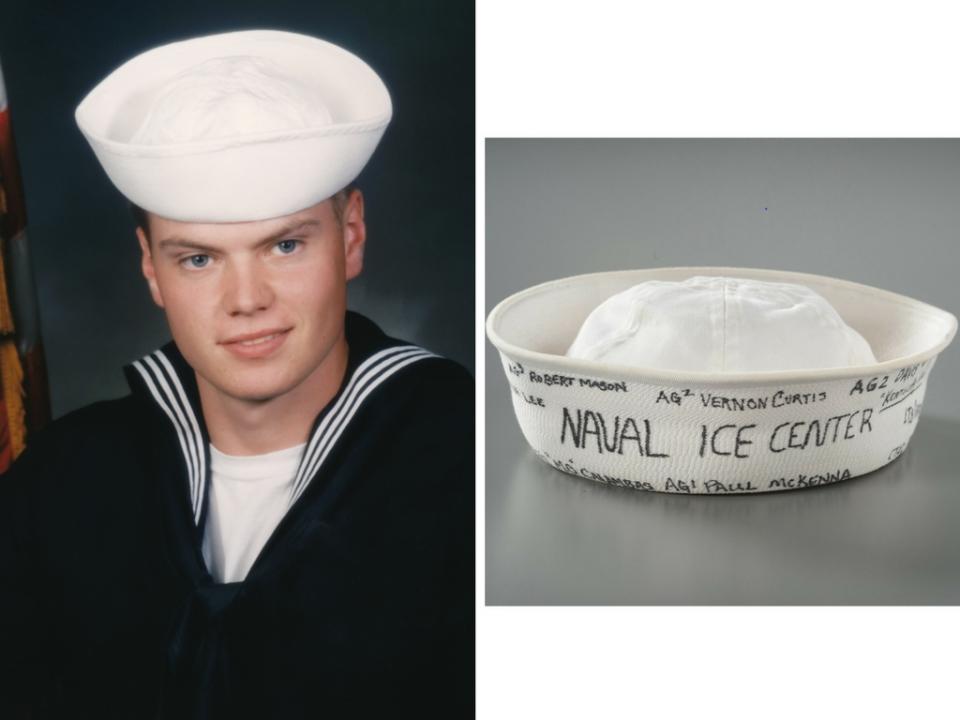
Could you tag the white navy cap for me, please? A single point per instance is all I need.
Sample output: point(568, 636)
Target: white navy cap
point(720, 324)
point(236, 127)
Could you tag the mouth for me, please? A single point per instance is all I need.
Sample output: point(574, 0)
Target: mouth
point(256, 344)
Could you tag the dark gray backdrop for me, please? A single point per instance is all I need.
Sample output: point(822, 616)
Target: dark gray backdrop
point(881, 212)
point(96, 314)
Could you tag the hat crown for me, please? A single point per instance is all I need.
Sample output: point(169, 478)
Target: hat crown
point(720, 324)
point(227, 97)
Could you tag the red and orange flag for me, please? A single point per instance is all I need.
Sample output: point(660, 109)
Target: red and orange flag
point(25, 405)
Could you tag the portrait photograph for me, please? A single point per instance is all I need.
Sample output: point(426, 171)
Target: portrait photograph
point(238, 360)
point(741, 390)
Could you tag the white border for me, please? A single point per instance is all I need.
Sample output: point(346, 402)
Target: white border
point(616, 68)
point(735, 69)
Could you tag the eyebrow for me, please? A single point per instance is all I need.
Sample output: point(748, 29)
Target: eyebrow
point(177, 242)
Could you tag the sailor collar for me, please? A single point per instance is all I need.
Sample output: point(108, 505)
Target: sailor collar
point(169, 384)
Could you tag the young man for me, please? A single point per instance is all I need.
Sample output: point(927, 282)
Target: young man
point(278, 520)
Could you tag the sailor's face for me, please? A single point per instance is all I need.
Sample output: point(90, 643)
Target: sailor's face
point(257, 308)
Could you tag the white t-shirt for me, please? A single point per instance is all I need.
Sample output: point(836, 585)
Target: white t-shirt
point(249, 496)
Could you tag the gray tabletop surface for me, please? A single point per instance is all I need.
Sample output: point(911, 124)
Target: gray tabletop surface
point(881, 212)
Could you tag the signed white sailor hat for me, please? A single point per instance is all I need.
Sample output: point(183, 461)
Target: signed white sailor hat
point(719, 324)
point(236, 127)
point(680, 419)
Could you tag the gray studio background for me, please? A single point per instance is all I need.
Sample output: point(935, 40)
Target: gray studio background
point(96, 314)
point(881, 212)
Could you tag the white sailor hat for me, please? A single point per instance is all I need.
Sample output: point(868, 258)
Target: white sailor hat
point(720, 324)
point(236, 127)
point(732, 380)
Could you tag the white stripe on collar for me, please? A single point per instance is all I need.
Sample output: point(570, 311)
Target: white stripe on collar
point(202, 450)
point(181, 414)
point(373, 371)
point(164, 384)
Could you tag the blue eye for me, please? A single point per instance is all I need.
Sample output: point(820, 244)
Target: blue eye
point(197, 261)
point(287, 246)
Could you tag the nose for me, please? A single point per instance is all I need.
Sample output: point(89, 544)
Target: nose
point(246, 288)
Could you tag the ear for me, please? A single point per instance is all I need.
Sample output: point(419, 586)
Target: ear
point(146, 266)
point(354, 234)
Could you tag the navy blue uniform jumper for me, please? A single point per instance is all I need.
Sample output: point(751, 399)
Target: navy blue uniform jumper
point(361, 603)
